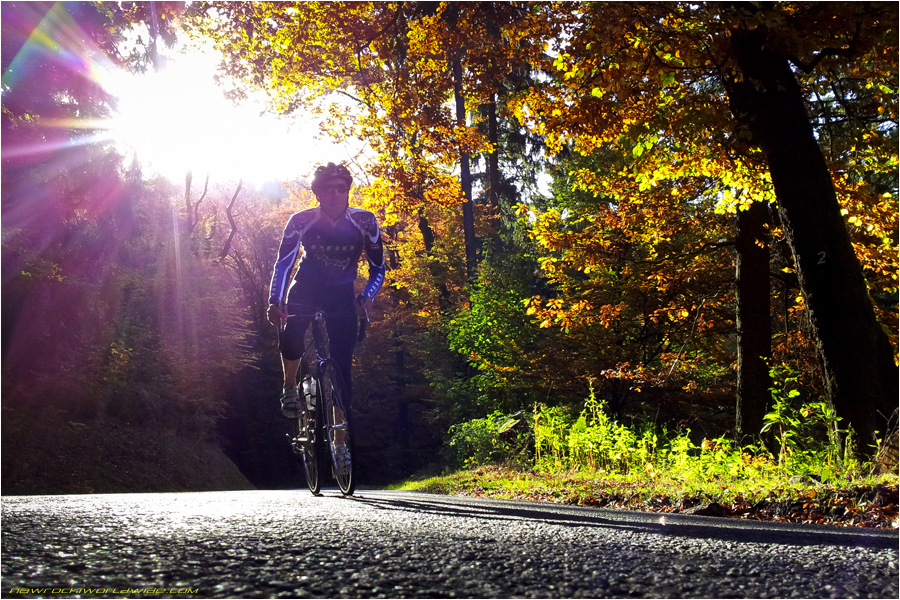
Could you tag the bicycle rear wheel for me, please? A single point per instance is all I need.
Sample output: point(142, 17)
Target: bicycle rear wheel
point(337, 421)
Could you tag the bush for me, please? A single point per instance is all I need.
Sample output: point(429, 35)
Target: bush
point(592, 441)
point(811, 444)
point(497, 438)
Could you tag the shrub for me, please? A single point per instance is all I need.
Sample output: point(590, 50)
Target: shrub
point(811, 444)
point(497, 438)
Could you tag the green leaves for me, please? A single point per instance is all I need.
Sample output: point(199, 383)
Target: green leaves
point(496, 438)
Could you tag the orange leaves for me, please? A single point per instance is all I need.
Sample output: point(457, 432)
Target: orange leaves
point(570, 314)
point(873, 224)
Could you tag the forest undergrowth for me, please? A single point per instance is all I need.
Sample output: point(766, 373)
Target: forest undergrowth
point(871, 504)
point(809, 471)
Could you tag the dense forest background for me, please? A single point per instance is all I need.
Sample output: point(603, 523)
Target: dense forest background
point(675, 207)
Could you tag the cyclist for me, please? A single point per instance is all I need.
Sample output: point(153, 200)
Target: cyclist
point(330, 239)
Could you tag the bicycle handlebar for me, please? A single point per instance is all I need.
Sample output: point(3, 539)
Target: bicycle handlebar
point(321, 315)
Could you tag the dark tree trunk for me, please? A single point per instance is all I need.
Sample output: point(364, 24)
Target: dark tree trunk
point(493, 195)
point(427, 232)
point(465, 175)
point(855, 356)
point(754, 324)
point(493, 158)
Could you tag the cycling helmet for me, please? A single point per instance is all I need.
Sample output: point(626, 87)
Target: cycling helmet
point(330, 171)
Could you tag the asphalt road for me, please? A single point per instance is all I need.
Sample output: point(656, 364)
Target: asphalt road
point(406, 545)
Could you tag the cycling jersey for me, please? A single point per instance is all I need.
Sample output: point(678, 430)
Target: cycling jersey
point(330, 253)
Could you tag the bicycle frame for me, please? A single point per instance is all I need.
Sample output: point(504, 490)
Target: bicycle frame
point(325, 411)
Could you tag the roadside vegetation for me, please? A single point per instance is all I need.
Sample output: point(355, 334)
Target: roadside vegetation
point(809, 472)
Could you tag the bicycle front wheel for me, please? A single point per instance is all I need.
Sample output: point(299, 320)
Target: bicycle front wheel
point(337, 426)
point(303, 443)
point(310, 458)
point(306, 444)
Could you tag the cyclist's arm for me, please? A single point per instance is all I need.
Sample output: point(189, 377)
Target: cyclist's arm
point(373, 248)
point(287, 256)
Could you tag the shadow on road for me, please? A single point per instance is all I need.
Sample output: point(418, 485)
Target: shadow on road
point(730, 530)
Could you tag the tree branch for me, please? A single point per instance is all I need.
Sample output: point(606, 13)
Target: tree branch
point(230, 216)
point(847, 52)
point(193, 220)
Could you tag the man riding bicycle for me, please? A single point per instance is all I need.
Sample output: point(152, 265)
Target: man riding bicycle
point(332, 236)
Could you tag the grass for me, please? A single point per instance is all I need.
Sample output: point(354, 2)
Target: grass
point(871, 502)
point(584, 457)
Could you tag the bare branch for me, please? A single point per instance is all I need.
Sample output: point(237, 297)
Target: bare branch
point(193, 220)
point(230, 216)
point(187, 193)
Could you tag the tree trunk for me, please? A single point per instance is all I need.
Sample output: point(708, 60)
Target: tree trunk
point(855, 356)
point(493, 194)
point(494, 157)
point(754, 323)
point(427, 232)
point(465, 176)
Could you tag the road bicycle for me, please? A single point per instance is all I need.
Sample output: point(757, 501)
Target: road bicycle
point(321, 435)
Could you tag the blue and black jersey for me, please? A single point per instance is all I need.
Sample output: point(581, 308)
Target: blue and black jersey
point(329, 254)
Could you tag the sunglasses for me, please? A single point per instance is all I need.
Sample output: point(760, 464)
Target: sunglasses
point(334, 189)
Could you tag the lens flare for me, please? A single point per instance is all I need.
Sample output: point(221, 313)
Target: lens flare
point(176, 119)
point(55, 118)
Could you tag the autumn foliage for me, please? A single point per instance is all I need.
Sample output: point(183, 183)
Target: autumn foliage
point(616, 153)
point(645, 119)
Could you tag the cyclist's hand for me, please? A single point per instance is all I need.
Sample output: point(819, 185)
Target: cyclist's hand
point(276, 316)
point(362, 305)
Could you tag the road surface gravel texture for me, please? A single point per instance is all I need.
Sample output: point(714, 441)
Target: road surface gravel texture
point(380, 544)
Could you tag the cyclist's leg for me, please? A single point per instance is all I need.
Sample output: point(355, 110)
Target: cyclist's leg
point(342, 330)
point(291, 346)
point(290, 368)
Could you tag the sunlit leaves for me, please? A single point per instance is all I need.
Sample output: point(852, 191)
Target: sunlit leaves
point(635, 247)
